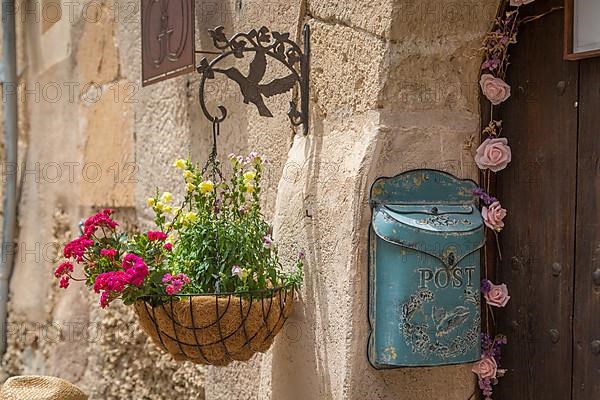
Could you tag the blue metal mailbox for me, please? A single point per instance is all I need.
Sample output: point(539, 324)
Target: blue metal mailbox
point(425, 239)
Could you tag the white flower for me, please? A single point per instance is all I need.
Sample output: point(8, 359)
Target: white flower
point(267, 242)
point(236, 270)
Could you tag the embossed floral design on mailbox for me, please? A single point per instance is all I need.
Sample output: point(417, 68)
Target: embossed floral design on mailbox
point(424, 271)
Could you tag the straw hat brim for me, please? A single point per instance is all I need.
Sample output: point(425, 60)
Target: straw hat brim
point(40, 388)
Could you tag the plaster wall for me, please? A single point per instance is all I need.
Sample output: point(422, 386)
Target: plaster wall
point(393, 87)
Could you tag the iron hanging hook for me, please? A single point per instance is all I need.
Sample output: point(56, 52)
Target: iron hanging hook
point(216, 132)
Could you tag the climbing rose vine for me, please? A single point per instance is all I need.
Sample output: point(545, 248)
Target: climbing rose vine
point(493, 155)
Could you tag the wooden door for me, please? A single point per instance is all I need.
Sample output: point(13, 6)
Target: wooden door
point(551, 245)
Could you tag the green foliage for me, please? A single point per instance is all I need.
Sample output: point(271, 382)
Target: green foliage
point(217, 241)
point(220, 237)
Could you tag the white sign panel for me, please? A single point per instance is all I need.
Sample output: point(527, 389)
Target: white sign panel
point(586, 25)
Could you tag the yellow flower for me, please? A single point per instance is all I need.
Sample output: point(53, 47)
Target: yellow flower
point(245, 274)
point(176, 210)
point(150, 202)
point(159, 206)
point(167, 208)
point(179, 164)
point(188, 175)
point(166, 197)
point(206, 186)
point(249, 176)
point(190, 217)
point(190, 187)
point(250, 188)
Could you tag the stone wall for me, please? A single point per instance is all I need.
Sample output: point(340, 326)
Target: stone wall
point(393, 87)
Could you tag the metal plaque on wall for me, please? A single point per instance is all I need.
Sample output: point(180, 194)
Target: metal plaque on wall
point(167, 39)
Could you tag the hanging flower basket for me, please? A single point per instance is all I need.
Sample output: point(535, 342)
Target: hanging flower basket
point(216, 329)
point(207, 285)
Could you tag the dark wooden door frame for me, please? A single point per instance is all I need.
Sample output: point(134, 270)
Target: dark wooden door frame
point(586, 315)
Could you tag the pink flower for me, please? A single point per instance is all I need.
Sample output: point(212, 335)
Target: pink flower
point(108, 253)
point(237, 271)
point(156, 235)
point(170, 290)
point(76, 248)
point(168, 246)
point(64, 282)
point(137, 274)
point(134, 272)
point(101, 219)
point(517, 3)
point(497, 296)
point(113, 281)
point(486, 368)
point(184, 278)
point(493, 154)
point(104, 299)
point(176, 283)
point(63, 269)
point(495, 89)
point(493, 216)
point(135, 269)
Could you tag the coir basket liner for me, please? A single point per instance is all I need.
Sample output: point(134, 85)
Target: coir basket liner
point(216, 329)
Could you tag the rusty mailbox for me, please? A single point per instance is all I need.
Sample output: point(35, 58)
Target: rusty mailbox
point(424, 270)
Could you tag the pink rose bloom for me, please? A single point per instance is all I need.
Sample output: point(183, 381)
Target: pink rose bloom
point(493, 216)
point(486, 368)
point(517, 3)
point(493, 154)
point(497, 296)
point(495, 89)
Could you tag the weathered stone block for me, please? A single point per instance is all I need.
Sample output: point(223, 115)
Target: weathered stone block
point(97, 54)
point(109, 171)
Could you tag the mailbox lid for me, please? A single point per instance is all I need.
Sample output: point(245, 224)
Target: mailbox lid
point(446, 232)
point(423, 186)
point(436, 217)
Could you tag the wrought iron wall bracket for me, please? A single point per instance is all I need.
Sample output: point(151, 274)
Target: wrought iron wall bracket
point(266, 46)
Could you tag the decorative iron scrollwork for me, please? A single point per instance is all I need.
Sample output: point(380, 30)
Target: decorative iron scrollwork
point(265, 45)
